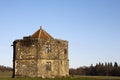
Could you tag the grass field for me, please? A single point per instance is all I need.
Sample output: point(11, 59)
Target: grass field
point(7, 76)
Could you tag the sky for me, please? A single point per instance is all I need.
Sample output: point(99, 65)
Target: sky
point(92, 27)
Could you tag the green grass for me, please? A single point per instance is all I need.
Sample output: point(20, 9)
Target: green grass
point(7, 76)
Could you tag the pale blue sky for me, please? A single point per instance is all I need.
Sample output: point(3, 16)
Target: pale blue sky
point(92, 27)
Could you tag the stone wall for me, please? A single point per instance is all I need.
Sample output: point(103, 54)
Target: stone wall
point(31, 56)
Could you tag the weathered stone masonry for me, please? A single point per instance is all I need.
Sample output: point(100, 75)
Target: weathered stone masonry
point(40, 55)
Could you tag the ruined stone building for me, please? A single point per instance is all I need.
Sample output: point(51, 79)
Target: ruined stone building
point(40, 55)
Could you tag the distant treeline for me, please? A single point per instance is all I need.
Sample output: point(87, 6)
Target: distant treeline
point(100, 69)
point(4, 68)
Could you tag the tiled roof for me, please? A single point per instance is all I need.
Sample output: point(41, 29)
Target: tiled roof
point(41, 34)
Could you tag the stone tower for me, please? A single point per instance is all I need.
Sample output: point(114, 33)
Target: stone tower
point(40, 55)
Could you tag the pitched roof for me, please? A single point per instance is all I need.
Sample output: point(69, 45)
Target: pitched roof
point(41, 34)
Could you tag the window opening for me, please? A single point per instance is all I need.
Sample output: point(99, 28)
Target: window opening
point(48, 66)
point(48, 48)
point(65, 51)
